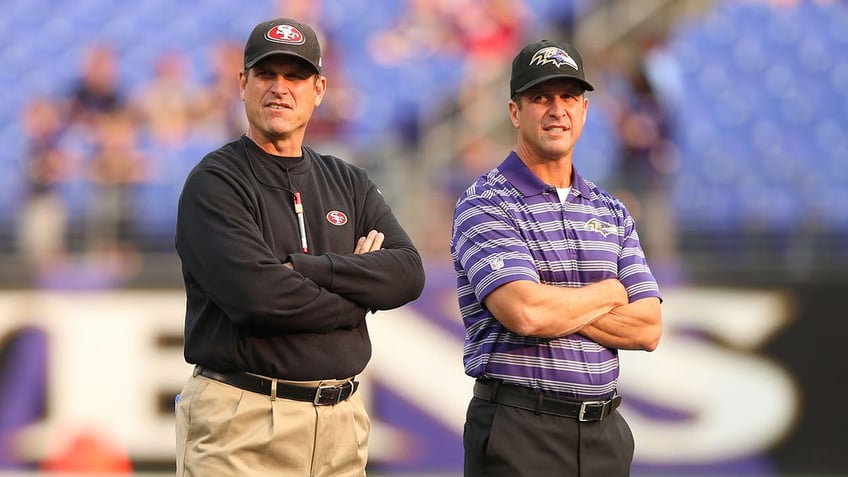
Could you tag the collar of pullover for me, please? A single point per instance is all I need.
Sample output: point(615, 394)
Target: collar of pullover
point(276, 170)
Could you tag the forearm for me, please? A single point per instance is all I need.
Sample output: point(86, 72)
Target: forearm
point(379, 280)
point(546, 311)
point(270, 296)
point(635, 326)
point(379, 277)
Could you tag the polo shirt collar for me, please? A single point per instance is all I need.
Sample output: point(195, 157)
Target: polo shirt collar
point(517, 173)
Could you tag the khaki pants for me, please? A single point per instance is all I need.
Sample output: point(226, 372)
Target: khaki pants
point(223, 431)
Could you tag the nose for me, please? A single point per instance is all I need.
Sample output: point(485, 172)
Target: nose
point(558, 108)
point(280, 84)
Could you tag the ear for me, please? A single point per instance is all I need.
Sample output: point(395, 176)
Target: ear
point(513, 113)
point(585, 109)
point(242, 83)
point(320, 89)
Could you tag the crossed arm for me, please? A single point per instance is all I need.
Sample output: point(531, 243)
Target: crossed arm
point(600, 311)
point(368, 243)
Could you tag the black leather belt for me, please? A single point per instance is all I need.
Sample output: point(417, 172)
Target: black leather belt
point(530, 400)
point(322, 395)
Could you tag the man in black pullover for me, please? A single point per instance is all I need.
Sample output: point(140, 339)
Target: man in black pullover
point(284, 252)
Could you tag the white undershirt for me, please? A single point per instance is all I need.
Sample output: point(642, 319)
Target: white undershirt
point(563, 192)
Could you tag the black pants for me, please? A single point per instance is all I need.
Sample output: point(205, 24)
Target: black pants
point(505, 441)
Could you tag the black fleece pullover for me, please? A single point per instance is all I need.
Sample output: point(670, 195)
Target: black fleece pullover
point(236, 227)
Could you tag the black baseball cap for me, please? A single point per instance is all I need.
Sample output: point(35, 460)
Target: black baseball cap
point(543, 61)
point(283, 36)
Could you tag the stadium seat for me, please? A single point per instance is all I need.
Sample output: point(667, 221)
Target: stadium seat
point(766, 91)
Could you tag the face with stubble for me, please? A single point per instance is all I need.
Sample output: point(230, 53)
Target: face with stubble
point(280, 93)
point(549, 118)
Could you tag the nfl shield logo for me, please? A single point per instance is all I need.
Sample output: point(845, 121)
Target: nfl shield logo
point(496, 263)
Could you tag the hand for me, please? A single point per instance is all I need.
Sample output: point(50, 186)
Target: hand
point(370, 243)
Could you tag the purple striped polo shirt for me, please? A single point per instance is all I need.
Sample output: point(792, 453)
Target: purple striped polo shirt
point(509, 225)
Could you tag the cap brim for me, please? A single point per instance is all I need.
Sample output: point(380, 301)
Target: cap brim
point(252, 62)
point(530, 84)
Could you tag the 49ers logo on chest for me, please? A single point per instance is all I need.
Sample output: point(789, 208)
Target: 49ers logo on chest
point(336, 217)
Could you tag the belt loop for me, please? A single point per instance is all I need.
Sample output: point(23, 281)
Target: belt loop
point(539, 398)
point(496, 386)
point(273, 389)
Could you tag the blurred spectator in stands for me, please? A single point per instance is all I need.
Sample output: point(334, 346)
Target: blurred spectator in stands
point(489, 32)
point(648, 158)
point(310, 12)
point(165, 102)
point(474, 157)
point(95, 94)
point(116, 166)
point(422, 30)
point(165, 106)
point(97, 91)
point(411, 50)
point(218, 112)
point(644, 131)
point(43, 217)
point(664, 72)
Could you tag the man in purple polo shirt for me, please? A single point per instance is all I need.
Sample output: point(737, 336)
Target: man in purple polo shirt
point(551, 283)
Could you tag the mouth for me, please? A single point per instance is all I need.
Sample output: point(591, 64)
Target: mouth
point(556, 129)
point(277, 106)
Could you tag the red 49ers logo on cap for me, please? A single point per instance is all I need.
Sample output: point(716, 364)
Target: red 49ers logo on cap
point(285, 34)
point(336, 218)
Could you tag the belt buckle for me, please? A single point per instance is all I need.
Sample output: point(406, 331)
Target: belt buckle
point(328, 395)
point(581, 416)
